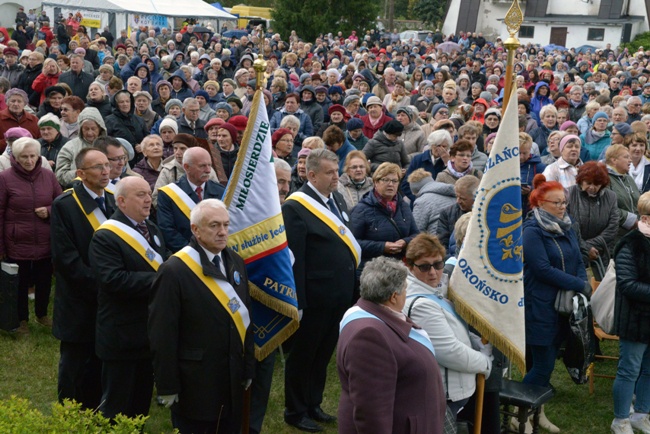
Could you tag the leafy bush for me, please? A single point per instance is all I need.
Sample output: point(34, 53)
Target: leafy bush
point(640, 40)
point(17, 416)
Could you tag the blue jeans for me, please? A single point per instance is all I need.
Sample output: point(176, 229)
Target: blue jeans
point(543, 364)
point(632, 376)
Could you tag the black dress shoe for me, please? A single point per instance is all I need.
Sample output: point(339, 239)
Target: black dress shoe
point(319, 415)
point(304, 424)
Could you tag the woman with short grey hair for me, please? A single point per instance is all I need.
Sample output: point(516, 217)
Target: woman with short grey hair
point(386, 364)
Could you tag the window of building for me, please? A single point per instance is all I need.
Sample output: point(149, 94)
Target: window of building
point(527, 32)
point(596, 34)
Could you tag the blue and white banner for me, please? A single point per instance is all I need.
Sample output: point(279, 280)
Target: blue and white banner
point(257, 234)
point(487, 283)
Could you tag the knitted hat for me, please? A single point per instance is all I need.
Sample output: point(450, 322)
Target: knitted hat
point(279, 133)
point(623, 128)
point(490, 137)
point(16, 91)
point(163, 83)
point(212, 122)
point(596, 116)
point(231, 129)
point(393, 127)
point(186, 139)
point(169, 123)
point(224, 106)
point(493, 111)
point(202, 93)
point(10, 51)
point(437, 107)
point(212, 83)
point(143, 93)
point(17, 133)
point(406, 111)
point(236, 100)
point(336, 108)
point(335, 89)
point(171, 103)
point(230, 81)
point(350, 99)
point(304, 153)
point(239, 121)
point(55, 89)
point(567, 125)
point(50, 120)
point(320, 89)
point(354, 124)
point(566, 139)
point(373, 100)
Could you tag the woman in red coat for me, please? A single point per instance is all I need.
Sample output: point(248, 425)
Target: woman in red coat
point(26, 195)
point(49, 76)
point(390, 379)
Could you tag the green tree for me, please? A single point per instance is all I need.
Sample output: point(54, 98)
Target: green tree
point(430, 11)
point(310, 18)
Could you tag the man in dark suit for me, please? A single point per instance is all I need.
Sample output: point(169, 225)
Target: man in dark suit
point(189, 122)
point(326, 259)
point(200, 329)
point(125, 254)
point(91, 55)
point(175, 201)
point(75, 216)
point(78, 80)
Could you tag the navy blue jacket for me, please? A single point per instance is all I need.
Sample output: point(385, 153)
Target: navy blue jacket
point(372, 227)
point(421, 161)
point(174, 225)
point(543, 278)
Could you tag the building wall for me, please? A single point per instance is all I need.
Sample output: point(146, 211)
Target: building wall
point(8, 11)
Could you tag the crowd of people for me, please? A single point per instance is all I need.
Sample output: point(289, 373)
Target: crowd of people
point(117, 149)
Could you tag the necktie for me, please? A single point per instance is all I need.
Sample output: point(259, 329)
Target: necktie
point(332, 207)
point(199, 190)
point(217, 262)
point(100, 203)
point(144, 230)
point(192, 124)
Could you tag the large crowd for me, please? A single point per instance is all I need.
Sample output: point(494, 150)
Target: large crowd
point(389, 137)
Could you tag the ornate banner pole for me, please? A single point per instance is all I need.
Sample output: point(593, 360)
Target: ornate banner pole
point(513, 19)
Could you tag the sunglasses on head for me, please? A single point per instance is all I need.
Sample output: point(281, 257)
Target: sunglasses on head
point(425, 268)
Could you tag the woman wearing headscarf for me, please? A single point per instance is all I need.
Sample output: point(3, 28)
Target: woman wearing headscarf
point(597, 137)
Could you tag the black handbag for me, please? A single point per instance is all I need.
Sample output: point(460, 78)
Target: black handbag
point(579, 352)
point(8, 296)
point(564, 299)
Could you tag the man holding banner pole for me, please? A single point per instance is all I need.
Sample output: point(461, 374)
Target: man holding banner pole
point(327, 255)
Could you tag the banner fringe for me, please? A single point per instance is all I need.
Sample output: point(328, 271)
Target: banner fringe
point(273, 303)
point(480, 323)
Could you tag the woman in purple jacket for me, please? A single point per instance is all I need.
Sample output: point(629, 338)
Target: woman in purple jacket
point(27, 191)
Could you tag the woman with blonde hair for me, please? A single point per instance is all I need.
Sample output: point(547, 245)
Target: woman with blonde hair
point(355, 181)
point(48, 77)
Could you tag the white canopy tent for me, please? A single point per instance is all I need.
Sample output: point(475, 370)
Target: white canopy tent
point(120, 14)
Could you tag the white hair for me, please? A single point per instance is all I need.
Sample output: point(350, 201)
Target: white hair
point(196, 216)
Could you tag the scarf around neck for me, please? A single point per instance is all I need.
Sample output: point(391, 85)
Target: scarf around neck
point(389, 205)
point(456, 173)
point(550, 223)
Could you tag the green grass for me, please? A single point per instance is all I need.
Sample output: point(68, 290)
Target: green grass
point(28, 369)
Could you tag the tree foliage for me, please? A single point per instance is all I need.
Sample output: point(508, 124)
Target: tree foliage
point(310, 18)
point(430, 11)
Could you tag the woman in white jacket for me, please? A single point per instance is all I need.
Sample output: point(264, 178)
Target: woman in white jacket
point(460, 354)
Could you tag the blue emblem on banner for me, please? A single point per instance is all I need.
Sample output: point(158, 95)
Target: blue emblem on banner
point(342, 230)
point(151, 255)
point(233, 305)
point(503, 218)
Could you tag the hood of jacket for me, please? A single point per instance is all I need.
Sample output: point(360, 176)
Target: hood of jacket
point(180, 74)
point(146, 68)
point(116, 109)
point(439, 188)
point(91, 114)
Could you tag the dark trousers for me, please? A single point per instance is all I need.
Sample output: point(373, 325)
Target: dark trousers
point(40, 274)
point(312, 347)
point(80, 374)
point(260, 391)
point(127, 387)
point(185, 425)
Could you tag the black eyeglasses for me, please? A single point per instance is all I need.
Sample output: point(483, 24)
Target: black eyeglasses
point(425, 268)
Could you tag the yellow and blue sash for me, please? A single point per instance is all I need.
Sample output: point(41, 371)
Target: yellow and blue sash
point(96, 218)
point(332, 221)
point(135, 240)
point(182, 200)
point(221, 289)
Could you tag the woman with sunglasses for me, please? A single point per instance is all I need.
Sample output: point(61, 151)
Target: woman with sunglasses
point(460, 354)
